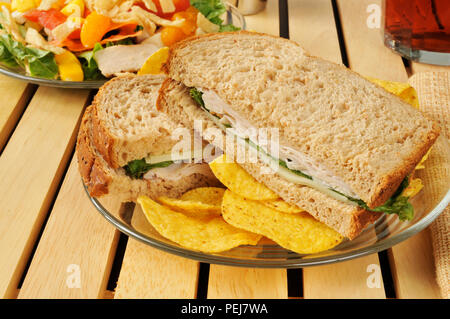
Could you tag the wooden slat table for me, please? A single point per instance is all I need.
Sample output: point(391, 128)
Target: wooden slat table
point(54, 244)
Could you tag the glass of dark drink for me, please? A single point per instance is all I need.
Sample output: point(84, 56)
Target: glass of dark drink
point(418, 29)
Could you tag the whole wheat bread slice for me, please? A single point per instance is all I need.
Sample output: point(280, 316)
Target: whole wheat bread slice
point(174, 99)
point(367, 137)
point(126, 124)
point(103, 180)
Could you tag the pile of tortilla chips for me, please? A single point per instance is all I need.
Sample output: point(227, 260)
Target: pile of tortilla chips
point(211, 219)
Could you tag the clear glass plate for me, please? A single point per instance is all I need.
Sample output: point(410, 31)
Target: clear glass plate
point(231, 16)
point(385, 233)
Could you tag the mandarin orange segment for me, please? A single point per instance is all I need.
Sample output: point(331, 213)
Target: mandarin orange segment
point(94, 28)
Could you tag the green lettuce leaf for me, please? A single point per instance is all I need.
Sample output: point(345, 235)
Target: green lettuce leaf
point(6, 57)
point(228, 28)
point(89, 65)
point(137, 168)
point(397, 204)
point(42, 64)
point(37, 62)
point(197, 96)
point(211, 9)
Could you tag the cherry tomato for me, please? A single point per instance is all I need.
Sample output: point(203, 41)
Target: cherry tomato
point(49, 19)
point(181, 5)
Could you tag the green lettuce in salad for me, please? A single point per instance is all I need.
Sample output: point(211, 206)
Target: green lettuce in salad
point(212, 10)
point(89, 65)
point(37, 62)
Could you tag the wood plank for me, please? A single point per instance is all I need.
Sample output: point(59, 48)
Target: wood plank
point(265, 21)
point(31, 167)
point(413, 274)
point(13, 100)
point(151, 273)
point(366, 52)
point(226, 282)
point(311, 23)
point(355, 279)
point(413, 268)
point(77, 240)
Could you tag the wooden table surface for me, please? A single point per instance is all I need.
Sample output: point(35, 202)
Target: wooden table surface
point(54, 244)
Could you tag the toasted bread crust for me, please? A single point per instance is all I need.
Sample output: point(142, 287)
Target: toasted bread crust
point(96, 180)
point(180, 44)
point(101, 137)
point(391, 182)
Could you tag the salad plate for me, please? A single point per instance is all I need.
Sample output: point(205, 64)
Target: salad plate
point(229, 16)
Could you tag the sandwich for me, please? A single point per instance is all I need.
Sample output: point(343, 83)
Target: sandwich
point(124, 145)
point(346, 148)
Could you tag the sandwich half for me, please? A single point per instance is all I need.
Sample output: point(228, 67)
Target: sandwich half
point(124, 145)
point(346, 147)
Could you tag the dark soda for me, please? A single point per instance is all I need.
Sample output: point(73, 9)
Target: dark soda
point(418, 24)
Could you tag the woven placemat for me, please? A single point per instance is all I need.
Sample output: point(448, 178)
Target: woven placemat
point(433, 89)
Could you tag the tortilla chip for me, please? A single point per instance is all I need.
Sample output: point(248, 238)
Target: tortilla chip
point(206, 195)
point(236, 179)
point(402, 90)
point(206, 235)
point(281, 206)
point(191, 207)
point(300, 232)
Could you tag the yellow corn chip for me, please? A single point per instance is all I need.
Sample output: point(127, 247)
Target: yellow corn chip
point(207, 235)
point(191, 207)
point(206, 195)
point(421, 165)
point(414, 187)
point(236, 179)
point(300, 232)
point(402, 90)
point(281, 206)
point(155, 62)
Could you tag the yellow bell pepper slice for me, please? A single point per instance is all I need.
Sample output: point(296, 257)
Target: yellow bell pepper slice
point(74, 8)
point(69, 67)
point(24, 5)
point(57, 4)
point(155, 62)
point(6, 4)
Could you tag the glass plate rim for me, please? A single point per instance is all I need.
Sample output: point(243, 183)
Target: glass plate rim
point(284, 264)
point(89, 84)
